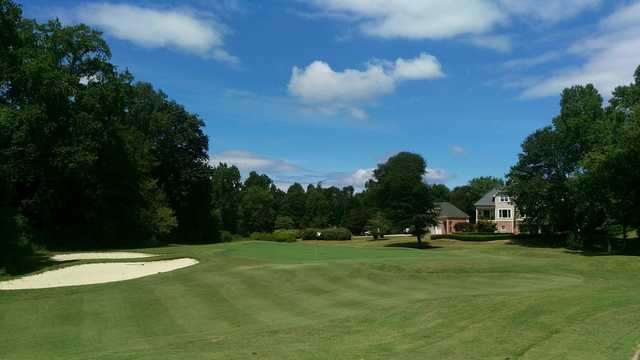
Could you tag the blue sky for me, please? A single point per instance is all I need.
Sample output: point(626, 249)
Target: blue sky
point(323, 90)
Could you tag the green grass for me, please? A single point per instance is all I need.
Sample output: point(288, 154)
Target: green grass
point(359, 299)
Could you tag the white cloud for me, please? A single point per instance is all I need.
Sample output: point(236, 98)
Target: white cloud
point(437, 19)
point(437, 176)
point(458, 150)
point(319, 83)
point(548, 10)
point(423, 67)
point(498, 43)
point(612, 55)
point(247, 161)
point(158, 28)
point(327, 90)
point(425, 19)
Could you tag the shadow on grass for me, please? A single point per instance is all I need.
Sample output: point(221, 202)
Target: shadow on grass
point(596, 252)
point(412, 245)
point(536, 243)
point(598, 249)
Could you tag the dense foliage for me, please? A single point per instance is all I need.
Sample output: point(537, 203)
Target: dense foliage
point(580, 175)
point(88, 157)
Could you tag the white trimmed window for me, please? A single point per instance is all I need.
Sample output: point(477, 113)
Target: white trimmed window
point(504, 198)
point(504, 213)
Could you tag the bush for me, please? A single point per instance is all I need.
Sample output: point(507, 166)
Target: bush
point(486, 227)
point(277, 236)
point(463, 227)
point(226, 236)
point(325, 234)
point(475, 237)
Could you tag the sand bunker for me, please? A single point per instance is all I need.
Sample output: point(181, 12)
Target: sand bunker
point(100, 255)
point(87, 274)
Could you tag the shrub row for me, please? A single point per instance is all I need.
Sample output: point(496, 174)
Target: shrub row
point(277, 236)
point(325, 234)
point(474, 237)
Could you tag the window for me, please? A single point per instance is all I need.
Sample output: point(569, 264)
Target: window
point(504, 198)
point(504, 213)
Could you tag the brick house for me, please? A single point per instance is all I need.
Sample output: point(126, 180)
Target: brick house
point(497, 207)
point(448, 217)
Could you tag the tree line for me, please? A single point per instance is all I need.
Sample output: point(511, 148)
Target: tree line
point(394, 199)
point(580, 176)
point(88, 156)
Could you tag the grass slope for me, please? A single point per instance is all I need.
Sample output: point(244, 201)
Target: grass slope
point(353, 300)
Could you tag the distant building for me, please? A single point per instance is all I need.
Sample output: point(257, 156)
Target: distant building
point(448, 217)
point(496, 206)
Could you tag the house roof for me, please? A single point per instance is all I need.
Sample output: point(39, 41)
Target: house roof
point(448, 210)
point(488, 199)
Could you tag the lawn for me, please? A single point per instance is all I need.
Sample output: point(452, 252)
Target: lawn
point(341, 300)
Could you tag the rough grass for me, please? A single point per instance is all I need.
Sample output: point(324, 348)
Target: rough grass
point(341, 300)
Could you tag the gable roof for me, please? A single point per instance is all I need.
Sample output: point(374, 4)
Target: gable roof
point(488, 199)
point(448, 210)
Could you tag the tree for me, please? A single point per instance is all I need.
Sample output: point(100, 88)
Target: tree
point(87, 157)
point(294, 203)
point(484, 184)
point(226, 186)
point(401, 194)
point(378, 226)
point(357, 214)
point(612, 171)
point(180, 152)
point(542, 182)
point(257, 209)
point(317, 208)
point(440, 192)
point(259, 180)
point(284, 223)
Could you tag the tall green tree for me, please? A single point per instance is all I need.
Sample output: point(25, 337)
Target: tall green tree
point(258, 210)
point(401, 194)
point(317, 208)
point(440, 192)
point(295, 203)
point(542, 182)
point(226, 193)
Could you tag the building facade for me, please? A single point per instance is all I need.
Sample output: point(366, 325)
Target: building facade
point(448, 217)
point(499, 208)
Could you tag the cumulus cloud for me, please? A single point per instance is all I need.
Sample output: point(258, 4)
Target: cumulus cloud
point(437, 19)
point(426, 19)
point(611, 56)
point(319, 86)
point(177, 29)
point(246, 161)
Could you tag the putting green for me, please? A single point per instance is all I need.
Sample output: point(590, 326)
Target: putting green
point(355, 300)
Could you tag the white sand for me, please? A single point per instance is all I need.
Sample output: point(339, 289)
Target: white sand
point(99, 255)
point(86, 274)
